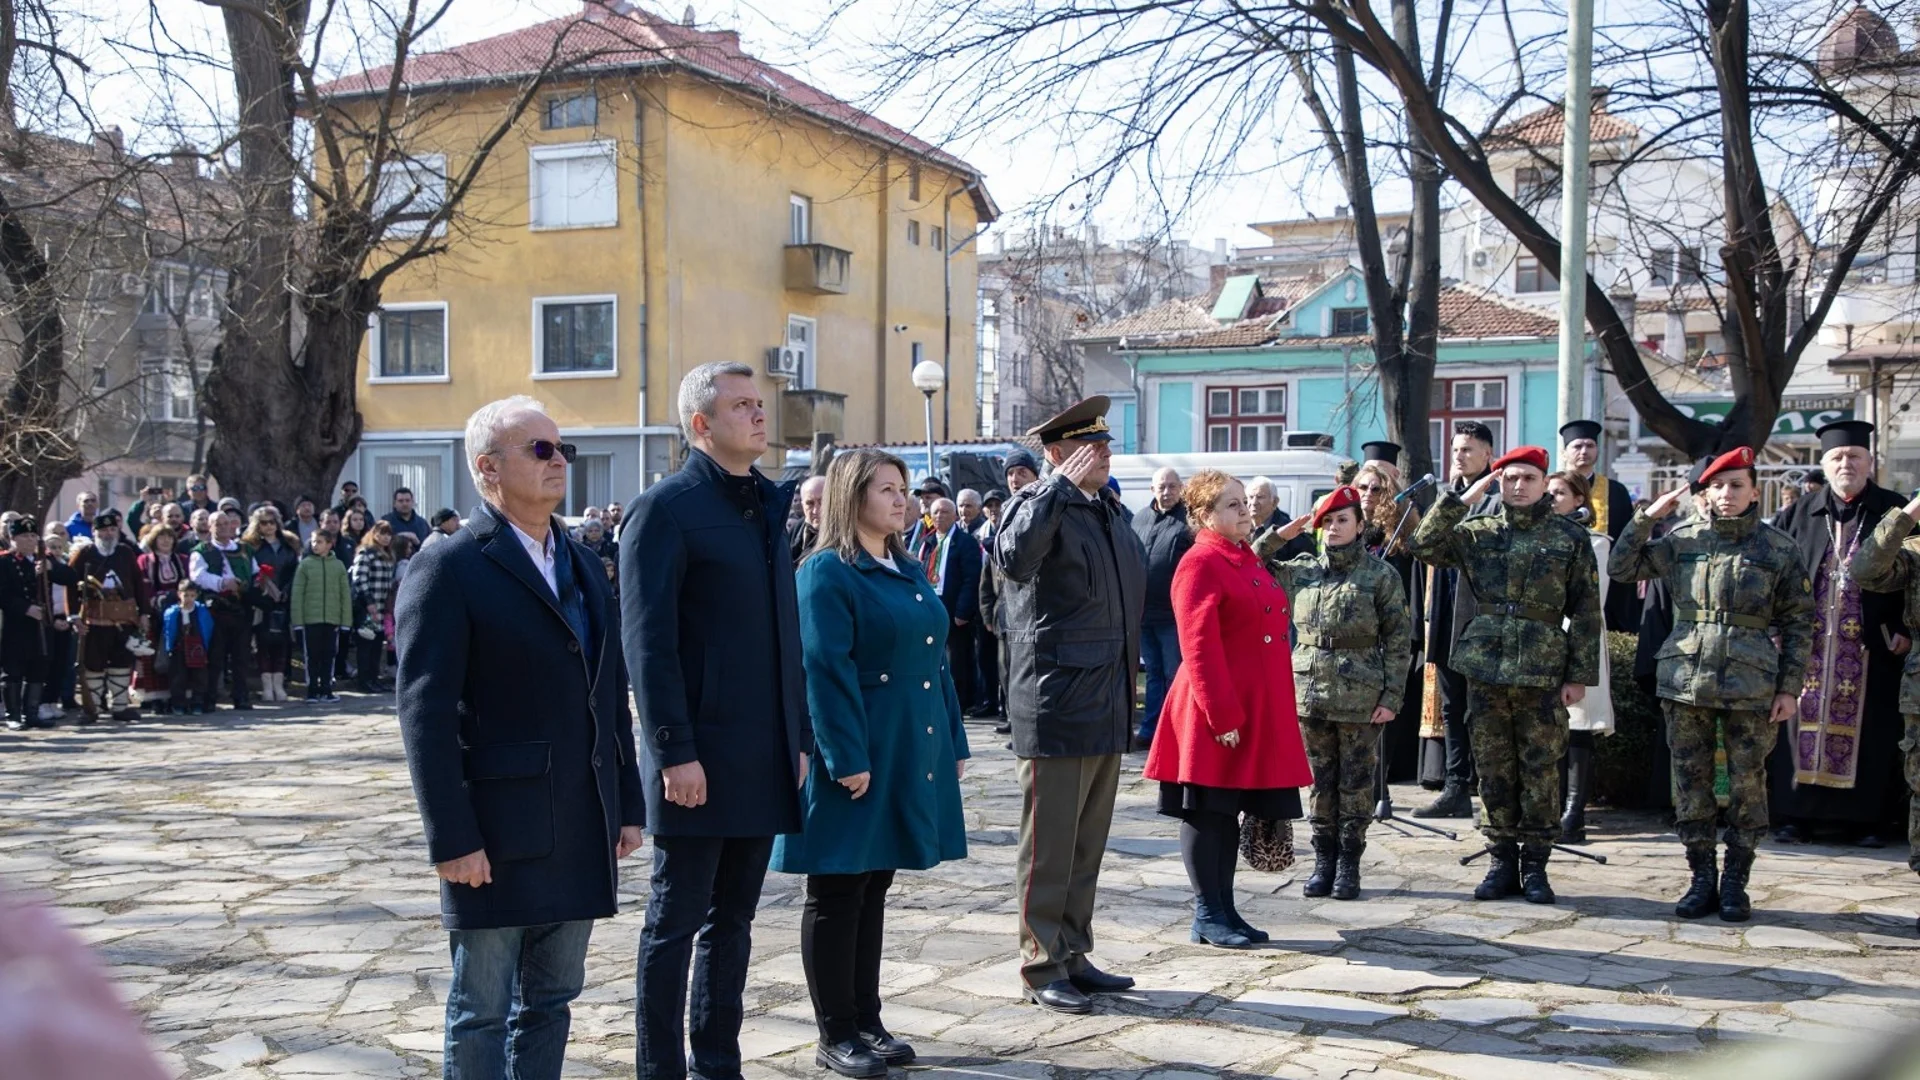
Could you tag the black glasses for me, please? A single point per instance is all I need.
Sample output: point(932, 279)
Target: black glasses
point(544, 450)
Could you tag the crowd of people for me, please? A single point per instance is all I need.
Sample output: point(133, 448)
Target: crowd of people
point(180, 604)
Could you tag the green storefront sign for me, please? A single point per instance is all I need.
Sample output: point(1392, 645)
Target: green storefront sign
point(1798, 416)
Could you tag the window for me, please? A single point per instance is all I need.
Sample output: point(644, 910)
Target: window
point(1529, 276)
point(1246, 418)
point(913, 233)
point(411, 191)
point(200, 299)
point(1350, 320)
point(589, 482)
point(571, 110)
point(1457, 400)
point(168, 386)
point(1676, 266)
point(573, 335)
point(100, 376)
point(919, 353)
point(1531, 186)
point(574, 187)
point(800, 337)
point(939, 240)
point(410, 342)
point(913, 181)
point(799, 220)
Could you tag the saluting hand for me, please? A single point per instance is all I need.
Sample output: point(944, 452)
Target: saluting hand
point(1292, 528)
point(1913, 508)
point(1079, 465)
point(1666, 504)
point(1784, 706)
point(1479, 489)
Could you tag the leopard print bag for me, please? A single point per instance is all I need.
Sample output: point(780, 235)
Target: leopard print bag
point(1266, 845)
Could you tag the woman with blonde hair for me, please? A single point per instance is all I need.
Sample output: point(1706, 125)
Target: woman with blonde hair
point(885, 792)
point(1387, 525)
point(276, 555)
point(164, 566)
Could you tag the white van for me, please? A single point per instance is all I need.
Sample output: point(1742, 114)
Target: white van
point(1299, 477)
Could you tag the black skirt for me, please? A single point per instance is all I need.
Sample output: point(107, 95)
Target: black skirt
point(1273, 804)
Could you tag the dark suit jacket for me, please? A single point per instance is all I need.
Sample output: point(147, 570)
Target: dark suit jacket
point(711, 626)
point(960, 590)
point(518, 733)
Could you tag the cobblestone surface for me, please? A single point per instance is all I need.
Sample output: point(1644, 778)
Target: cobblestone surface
point(259, 886)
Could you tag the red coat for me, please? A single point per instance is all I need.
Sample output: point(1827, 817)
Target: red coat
point(1236, 673)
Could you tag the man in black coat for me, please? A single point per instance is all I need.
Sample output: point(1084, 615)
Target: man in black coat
point(1611, 507)
point(952, 559)
point(712, 633)
point(513, 709)
point(1073, 589)
point(1164, 534)
point(1837, 765)
point(804, 531)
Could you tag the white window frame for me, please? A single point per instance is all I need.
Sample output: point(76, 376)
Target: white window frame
point(434, 168)
point(799, 212)
point(446, 341)
point(564, 151)
point(805, 379)
point(540, 330)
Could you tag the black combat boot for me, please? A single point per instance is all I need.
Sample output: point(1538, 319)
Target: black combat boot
point(1453, 802)
point(1503, 877)
point(1734, 905)
point(12, 693)
point(1325, 847)
point(1703, 896)
point(1573, 820)
point(1533, 874)
point(30, 706)
point(1346, 877)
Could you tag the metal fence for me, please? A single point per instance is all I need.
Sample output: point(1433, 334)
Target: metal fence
point(1775, 482)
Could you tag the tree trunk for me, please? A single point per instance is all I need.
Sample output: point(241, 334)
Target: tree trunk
point(1406, 389)
point(37, 454)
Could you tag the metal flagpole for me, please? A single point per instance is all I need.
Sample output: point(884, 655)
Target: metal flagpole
point(1573, 211)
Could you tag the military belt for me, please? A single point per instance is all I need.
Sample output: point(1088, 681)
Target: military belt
point(1325, 641)
point(1523, 611)
point(1724, 618)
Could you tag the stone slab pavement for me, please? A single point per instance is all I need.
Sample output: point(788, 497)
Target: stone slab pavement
point(258, 885)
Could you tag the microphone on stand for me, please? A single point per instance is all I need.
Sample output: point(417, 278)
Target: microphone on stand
point(1421, 484)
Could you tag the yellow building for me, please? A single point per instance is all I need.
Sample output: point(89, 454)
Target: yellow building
point(670, 201)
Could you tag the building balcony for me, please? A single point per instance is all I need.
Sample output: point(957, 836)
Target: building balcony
point(805, 413)
point(818, 268)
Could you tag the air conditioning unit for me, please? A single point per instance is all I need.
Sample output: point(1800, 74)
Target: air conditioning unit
point(783, 362)
point(1307, 440)
point(1480, 259)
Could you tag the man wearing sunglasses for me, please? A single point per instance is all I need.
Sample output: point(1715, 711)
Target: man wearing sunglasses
point(712, 632)
point(513, 708)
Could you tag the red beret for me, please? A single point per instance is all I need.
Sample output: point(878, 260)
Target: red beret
point(1740, 457)
point(1522, 455)
point(1338, 499)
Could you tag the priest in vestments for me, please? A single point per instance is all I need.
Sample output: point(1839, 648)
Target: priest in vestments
point(1837, 767)
point(1610, 505)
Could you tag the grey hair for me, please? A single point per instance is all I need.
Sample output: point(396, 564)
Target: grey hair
point(698, 393)
point(486, 427)
point(1260, 482)
point(964, 492)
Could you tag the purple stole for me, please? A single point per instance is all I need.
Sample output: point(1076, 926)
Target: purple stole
point(1826, 733)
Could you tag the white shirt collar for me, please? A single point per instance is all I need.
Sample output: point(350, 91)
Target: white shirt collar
point(541, 554)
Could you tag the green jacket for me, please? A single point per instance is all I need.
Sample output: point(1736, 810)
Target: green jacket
point(1732, 581)
point(1529, 569)
point(321, 593)
point(1884, 564)
point(1354, 638)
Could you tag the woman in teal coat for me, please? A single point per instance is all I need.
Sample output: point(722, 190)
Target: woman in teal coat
point(884, 794)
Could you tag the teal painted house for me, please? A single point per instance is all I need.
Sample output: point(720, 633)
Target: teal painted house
point(1257, 357)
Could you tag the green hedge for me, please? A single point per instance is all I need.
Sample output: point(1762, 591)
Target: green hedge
point(1630, 766)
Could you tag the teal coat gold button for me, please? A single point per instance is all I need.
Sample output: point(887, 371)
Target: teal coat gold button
point(874, 644)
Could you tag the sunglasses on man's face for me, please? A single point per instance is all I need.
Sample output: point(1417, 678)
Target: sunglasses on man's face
point(544, 450)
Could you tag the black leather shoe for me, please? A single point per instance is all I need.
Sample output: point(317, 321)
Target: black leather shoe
point(1060, 996)
point(850, 1058)
point(1004, 727)
point(1091, 980)
point(886, 1047)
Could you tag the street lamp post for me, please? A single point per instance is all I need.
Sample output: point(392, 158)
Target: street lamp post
point(928, 377)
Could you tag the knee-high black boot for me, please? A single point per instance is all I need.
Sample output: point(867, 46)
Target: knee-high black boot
point(1573, 820)
point(12, 691)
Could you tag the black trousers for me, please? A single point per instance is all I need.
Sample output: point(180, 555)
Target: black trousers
point(321, 640)
point(960, 662)
point(368, 653)
point(841, 932)
point(1453, 710)
point(986, 659)
point(228, 655)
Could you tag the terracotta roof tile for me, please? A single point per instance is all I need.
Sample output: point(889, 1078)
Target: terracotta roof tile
point(1547, 127)
point(616, 36)
point(1464, 313)
point(1195, 314)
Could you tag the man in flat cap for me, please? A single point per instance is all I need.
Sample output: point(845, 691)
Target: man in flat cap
point(1072, 590)
point(1837, 767)
point(1531, 570)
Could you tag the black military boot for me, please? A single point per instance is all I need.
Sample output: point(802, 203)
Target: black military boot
point(1453, 802)
point(1325, 846)
point(12, 693)
point(1503, 876)
point(1573, 819)
point(1346, 876)
point(1703, 896)
point(1533, 874)
point(1734, 905)
point(30, 707)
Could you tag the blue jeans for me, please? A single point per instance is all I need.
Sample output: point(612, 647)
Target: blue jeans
point(1160, 652)
point(507, 1010)
point(710, 886)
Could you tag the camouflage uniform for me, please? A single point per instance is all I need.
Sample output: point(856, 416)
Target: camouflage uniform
point(1530, 570)
point(1884, 564)
point(1732, 579)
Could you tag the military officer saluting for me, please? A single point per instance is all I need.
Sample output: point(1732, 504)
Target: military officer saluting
point(1530, 569)
point(1354, 642)
point(1734, 580)
point(1884, 564)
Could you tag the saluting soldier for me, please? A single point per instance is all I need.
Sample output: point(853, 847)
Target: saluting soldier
point(1354, 642)
point(1734, 580)
point(1884, 563)
point(1531, 570)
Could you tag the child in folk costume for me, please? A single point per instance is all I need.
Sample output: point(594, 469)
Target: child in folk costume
point(162, 567)
point(187, 633)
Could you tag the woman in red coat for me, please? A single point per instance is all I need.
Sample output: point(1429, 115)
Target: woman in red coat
point(1229, 737)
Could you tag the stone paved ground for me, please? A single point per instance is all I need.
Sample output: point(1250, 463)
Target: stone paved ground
point(259, 885)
